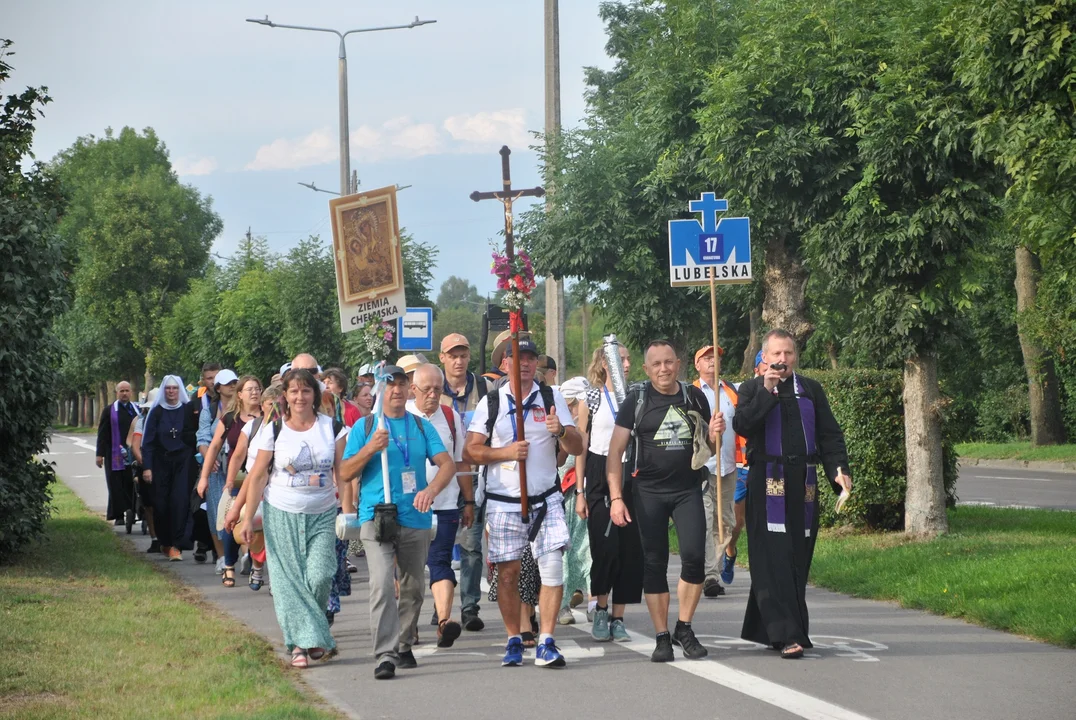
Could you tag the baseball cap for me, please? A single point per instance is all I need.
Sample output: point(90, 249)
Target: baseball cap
point(367, 369)
point(525, 345)
point(503, 341)
point(546, 363)
point(575, 388)
point(394, 371)
point(454, 340)
point(410, 363)
point(224, 377)
point(708, 348)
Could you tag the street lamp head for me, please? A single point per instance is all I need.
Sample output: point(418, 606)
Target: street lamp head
point(265, 21)
point(416, 22)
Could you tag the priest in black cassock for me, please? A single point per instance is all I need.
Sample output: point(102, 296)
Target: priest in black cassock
point(113, 455)
point(790, 431)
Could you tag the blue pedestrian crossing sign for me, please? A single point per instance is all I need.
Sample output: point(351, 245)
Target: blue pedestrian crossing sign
point(717, 247)
point(414, 330)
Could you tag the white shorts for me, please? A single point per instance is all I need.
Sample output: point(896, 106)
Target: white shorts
point(508, 536)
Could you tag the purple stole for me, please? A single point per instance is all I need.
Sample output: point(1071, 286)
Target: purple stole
point(775, 470)
point(117, 451)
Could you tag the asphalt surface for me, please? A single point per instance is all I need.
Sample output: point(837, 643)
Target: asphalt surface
point(872, 660)
point(1011, 487)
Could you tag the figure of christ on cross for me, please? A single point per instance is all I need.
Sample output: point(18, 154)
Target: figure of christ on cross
point(507, 195)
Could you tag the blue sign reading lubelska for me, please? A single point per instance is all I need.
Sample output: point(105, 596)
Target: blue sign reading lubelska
point(717, 248)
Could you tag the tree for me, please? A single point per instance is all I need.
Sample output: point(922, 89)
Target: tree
point(189, 335)
point(309, 315)
point(141, 236)
point(419, 260)
point(1017, 57)
point(457, 292)
point(902, 243)
point(33, 293)
point(248, 325)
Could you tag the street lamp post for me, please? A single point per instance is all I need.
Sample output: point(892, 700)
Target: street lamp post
point(345, 154)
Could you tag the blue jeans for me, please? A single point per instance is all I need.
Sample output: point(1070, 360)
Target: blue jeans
point(471, 566)
point(439, 557)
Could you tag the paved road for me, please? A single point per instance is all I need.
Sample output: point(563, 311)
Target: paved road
point(873, 661)
point(1016, 487)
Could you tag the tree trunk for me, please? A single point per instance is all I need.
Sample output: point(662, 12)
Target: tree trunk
point(149, 376)
point(1047, 427)
point(924, 501)
point(104, 392)
point(754, 343)
point(110, 391)
point(586, 338)
point(831, 350)
point(783, 283)
point(82, 410)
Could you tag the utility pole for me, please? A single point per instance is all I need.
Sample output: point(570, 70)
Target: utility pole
point(250, 243)
point(554, 289)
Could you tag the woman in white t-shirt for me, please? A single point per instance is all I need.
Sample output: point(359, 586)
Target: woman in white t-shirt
point(616, 552)
point(299, 514)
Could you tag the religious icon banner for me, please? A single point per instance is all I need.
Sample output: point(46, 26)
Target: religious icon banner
point(368, 259)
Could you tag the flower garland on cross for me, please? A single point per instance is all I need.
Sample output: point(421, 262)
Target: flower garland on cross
point(515, 275)
point(377, 337)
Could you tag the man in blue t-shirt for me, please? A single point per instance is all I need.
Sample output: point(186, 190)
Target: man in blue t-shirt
point(409, 441)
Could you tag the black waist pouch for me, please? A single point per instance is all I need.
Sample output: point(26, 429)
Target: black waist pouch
point(386, 525)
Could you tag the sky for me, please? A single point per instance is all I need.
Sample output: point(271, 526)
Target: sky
point(248, 112)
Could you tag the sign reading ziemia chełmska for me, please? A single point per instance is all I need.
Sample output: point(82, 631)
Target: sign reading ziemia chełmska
point(715, 248)
point(369, 262)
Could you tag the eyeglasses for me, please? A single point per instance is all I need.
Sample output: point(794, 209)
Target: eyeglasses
point(419, 390)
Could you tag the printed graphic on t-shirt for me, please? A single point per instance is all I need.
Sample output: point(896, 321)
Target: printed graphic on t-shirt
point(674, 432)
point(307, 470)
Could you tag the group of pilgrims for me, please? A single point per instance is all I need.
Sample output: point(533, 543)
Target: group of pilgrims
point(287, 485)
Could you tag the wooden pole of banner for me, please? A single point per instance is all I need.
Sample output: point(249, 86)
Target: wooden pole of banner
point(717, 403)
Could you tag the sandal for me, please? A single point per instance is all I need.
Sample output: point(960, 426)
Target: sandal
point(256, 579)
point(792, 651)
point(299, 658)
point(228, 576)
point(528, 639)
point(447, 632)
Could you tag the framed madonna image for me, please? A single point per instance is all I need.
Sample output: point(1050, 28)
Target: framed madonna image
point(369, 263)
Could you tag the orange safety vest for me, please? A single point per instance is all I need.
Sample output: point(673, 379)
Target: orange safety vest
point(741, 442)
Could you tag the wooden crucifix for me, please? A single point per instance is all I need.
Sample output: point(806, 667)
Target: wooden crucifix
point(507, 195)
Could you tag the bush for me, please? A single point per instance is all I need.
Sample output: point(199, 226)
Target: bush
point(1003, 416)
point(870, 410)
point(33, 292)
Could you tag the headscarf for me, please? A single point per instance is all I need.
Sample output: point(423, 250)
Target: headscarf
point(160, 399)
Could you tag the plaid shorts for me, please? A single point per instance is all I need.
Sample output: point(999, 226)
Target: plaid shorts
point(508, 534)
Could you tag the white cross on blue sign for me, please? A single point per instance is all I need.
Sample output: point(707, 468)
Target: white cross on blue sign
point(718, 247)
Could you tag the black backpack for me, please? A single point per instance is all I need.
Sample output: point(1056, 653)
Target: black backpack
point(642, 397)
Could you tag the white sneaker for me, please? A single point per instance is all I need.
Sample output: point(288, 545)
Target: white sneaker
point(244, 564)
point(220, 566)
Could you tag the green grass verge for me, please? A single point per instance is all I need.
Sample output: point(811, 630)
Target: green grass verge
point(1007, 569)
point(73, 430)
point(90, 630)
point(1017, 451)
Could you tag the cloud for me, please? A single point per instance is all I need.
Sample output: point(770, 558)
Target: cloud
point(317, 148)
point(489, 130)
point(398, 138)
point(194, 166)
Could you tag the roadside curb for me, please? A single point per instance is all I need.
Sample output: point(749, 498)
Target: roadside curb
point(1065, 467)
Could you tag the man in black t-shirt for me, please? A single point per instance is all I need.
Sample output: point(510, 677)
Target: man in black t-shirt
point(664, 485)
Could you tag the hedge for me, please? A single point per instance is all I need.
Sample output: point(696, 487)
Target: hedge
point(869, 408)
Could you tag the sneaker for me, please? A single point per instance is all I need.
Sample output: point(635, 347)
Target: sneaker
point(220, 566)
point(407, 660)
point(435, 621)
point(618, 631)
point(174, 555)
point(154, 546)
point(199, 554)
point(513, 653)
point(684, 636)
point(566, 617)
point(590, 615)
point(385, 671)
point(351, 569)
point(329, 616)
point(600, 630)
point(473, 623)
point(728, 569)
point(547, 655)
point(447, 633)
point(577, 599)
point(663, 651)
point(712, 588)
point(245, 563)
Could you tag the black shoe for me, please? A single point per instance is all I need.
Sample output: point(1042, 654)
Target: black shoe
point(199, 554)
point(119, 521)
point(473, 623)
point(684, 636)
point(435, 621)
point(154, 546)
point(663, 651)
point(385, 671)
point(407, 661)
point(712, 588)
point(331, 617)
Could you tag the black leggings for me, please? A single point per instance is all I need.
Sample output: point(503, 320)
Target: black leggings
point(616, 552)
point(652, 512)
